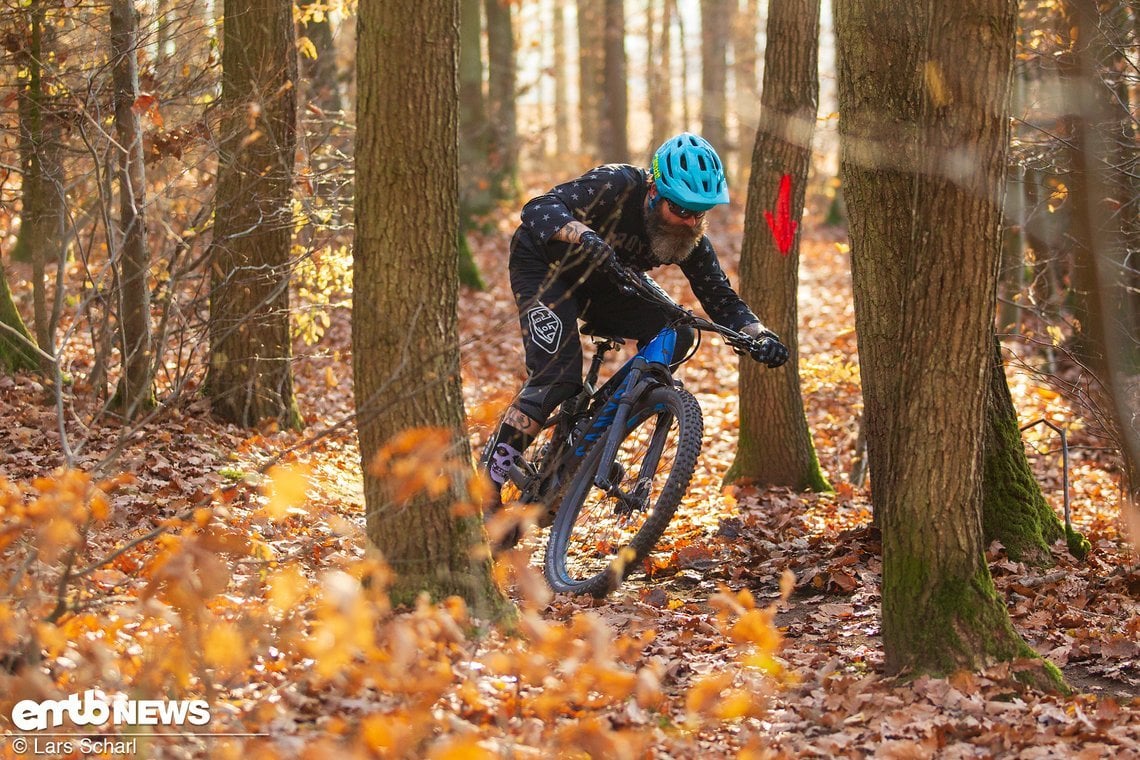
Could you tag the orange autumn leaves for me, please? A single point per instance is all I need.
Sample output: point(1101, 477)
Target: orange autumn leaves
point(214, 603)
point(429, 462)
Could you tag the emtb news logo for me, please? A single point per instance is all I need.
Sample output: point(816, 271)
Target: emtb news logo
point(94, 708)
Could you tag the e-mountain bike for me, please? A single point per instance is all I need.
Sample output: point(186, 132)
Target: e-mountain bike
point(613, 462)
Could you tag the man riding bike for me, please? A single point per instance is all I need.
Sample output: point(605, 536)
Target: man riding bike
point(562, 265)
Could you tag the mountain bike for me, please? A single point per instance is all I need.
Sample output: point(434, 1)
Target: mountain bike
point(612, 464)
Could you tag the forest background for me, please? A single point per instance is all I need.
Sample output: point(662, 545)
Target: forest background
point(185, 187)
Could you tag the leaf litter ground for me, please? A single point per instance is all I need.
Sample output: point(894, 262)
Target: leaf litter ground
point(833, 698)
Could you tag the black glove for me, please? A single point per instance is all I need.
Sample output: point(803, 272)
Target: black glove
point(594, 249)
point(768, 349)
point(602, 256)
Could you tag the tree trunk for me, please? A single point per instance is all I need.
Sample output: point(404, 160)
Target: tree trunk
point(683, 53)
point(473, 126)
point(165, 24)
point(1127, 164)
point(1111, 348)
point(251, 376)
point(474, 132)
point(561, 69)
point(504, 148)
point(17, 346)
point(926, 237)
point(715, 40)
point(745, 64)
point(135, 393)
point(775, 444)
point(1014, 510)
point(41, 235)
point(614, 138)
point(404, 327)
point(659, 81)
point(318, 63)
point(591, 67)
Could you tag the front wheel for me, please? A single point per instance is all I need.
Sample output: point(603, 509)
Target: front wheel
point(599, 536)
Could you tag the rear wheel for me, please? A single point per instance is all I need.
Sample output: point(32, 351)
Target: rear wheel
point(599, 536)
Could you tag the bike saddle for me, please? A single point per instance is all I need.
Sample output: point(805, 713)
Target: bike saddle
point(600, 335)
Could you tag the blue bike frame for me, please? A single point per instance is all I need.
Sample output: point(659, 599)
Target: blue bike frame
point(653, 359)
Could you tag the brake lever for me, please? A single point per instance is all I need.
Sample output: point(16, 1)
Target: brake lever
point(622, 279)
point(745, 345)
point(739, 342)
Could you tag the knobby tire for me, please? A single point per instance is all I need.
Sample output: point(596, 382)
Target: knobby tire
point(587, 550)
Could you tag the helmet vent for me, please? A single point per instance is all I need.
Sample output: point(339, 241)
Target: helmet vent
point(688, 172)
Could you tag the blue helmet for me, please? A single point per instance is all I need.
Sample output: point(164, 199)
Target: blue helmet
point(688, 172)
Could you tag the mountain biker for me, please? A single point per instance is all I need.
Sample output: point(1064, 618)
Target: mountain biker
point(563, 267)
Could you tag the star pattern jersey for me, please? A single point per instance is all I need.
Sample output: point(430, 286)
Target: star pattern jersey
point(610, 200)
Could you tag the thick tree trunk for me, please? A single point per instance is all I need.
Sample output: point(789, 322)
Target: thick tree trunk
point(135, 393)
point(251, 376)
point(614, 137)
point(775, 444)
point(404, 327)
point(926, 236)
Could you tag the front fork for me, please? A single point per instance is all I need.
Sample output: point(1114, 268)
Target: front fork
point(610, 473)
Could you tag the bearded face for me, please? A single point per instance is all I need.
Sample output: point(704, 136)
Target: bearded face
point(671, 243)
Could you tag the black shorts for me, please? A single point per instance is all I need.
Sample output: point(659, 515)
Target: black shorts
point(552, 296)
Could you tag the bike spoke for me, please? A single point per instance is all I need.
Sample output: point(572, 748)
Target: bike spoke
point(607, 522)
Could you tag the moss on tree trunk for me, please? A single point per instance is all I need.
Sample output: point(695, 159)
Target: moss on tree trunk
point(444, 570)
point(17, 347)
point(810, 474)
point(959, 623)
point(468, 270)
point(1014, 511)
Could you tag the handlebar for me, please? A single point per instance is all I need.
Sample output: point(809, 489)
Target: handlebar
point(633, 285)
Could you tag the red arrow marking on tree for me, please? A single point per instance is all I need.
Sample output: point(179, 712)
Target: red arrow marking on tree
point(782, 226)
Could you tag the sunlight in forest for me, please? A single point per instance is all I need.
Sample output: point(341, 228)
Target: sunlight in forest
point(266, 301)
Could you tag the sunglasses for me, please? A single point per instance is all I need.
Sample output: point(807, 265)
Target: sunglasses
point(681, 211)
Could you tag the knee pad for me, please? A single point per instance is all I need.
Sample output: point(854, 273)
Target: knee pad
point(538, 401)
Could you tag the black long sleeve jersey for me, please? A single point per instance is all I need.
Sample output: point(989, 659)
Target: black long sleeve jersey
point(610, 200)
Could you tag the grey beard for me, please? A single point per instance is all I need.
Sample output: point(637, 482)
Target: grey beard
point(672, 244)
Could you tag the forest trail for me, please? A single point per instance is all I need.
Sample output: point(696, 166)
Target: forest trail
point(1084, 617)
point(668, 621)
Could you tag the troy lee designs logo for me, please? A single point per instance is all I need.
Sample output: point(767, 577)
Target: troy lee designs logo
point(545, 328)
